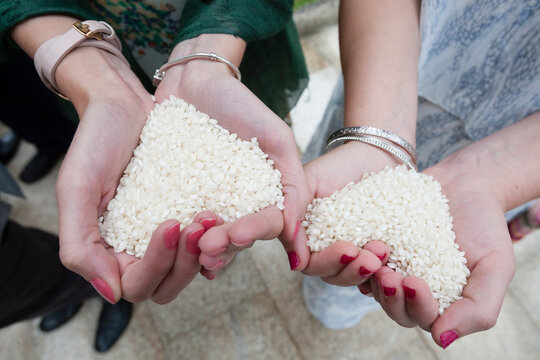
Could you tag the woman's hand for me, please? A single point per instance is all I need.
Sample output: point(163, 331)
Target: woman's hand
point(213, 89)
point(113, 106)
point(481, 231)
point(342, 263)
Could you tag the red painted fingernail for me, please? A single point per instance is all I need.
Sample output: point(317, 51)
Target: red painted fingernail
point(103, 289)
point(389, 291)
point(364, 272)
point(345, 259)
point(381, 257)
point(208, 223)
point(365, 292)
point(447, 338)
point(293, 260)
point(192, 243)
point(409, 293)
point(171, 236)
point(296, 229)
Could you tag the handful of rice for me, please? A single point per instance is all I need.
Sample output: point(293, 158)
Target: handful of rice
point(186, 163)
point(408, 212)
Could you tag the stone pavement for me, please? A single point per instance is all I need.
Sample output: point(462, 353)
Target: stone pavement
point(254, 309)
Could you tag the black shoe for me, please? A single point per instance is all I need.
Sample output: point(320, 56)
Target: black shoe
point(9, 143)
point(38, 167)
point(58, 318)
point(113, 320)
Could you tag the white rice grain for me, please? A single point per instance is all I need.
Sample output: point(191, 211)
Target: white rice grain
point(186, 163)
point(408, 212)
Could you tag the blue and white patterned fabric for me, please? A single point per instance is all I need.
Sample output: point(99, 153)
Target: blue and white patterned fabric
point(480, 63)
point(479, 71)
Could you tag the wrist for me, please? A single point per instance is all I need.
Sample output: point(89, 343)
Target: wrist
point(88, 73)
point(227, 46)
point(368, 158)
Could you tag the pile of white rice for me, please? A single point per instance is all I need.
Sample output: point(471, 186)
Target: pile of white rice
point(186, 163)
point(409, 213)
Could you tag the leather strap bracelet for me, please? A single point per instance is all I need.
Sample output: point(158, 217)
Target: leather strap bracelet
point(86, 33)
point(158, 76)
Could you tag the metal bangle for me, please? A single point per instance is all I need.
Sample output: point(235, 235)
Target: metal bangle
point(368, 130)
point(158, 75)
point(382, 144)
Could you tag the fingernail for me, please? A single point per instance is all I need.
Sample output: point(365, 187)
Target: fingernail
point(409, 293)
point(103, 289)
point(381, 257)
point(365, 292)
point(211, 276)
point(216, 266)
point(293, 260)
point(296, 229)
point(208, 223)
point(448, 337)
point(364, 272)
point(389, 291)
point(171, 236)
point(537, 217)
point(192, 243)
point(345, 259)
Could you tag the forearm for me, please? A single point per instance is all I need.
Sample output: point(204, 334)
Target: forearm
point(504, 163)
point(379, 42)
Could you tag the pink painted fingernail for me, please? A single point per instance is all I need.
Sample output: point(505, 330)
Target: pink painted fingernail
point(103, 289)
point(409, 293)
point(447, 338)
point(192, 243)
point(294, 261)
point(381, 257)
point(296, 229)
point(345, 259)
point(389, 291)
point(171, 236)
point(208, 223)
point(364, 272)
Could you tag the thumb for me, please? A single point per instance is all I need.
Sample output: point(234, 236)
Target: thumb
point(293, 238)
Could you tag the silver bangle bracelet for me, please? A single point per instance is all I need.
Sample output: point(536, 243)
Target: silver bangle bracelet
point(380, 143)
point(158, 75)
point(385, 134)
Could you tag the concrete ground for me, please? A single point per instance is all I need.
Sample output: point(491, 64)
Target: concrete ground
point(254, 309)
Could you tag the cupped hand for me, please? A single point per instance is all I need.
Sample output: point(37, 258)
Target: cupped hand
point(112, 105)
point(481, 231)
point(212, 88)
point(342, 263)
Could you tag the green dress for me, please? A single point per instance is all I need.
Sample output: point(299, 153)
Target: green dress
point(273, 66)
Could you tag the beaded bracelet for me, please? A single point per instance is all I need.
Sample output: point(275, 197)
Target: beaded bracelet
point(158, 76)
